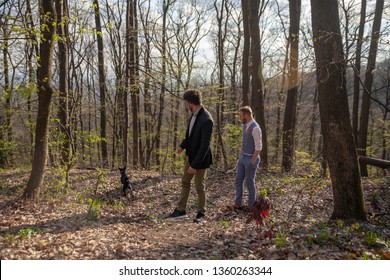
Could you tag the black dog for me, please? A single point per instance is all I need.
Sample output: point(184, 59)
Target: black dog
point(126, 186)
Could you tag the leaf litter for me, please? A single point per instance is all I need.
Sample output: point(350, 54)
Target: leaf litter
point(61, 224)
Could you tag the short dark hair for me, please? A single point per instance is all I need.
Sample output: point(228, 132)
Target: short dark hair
point(193, 96)
point(246, 110)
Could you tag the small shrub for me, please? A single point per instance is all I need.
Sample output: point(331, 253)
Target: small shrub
point(94, 210)
point(340, 223)
point(281, 238)
point(27, 232)
point(370, 237)
point(355, 227)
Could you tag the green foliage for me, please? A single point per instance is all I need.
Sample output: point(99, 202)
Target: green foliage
point(225, 224)
point(95, 204)
point(232, 139)
point(305, 161)
point(322, 225)
point(9, 237)
point(94, 210)
point(58, 182)
point(264, 192)
point(340, 223)
point(324, 236)
point(281, 238)
point(310, 240)
point(370, 237)
point(355, 227)
point(6, 148)
point(27, 232)
point(366, 257)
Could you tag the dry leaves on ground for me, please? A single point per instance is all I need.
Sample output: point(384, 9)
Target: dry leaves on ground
point(64, 224)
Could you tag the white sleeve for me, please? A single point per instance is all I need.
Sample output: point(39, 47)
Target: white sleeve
point(256, 133)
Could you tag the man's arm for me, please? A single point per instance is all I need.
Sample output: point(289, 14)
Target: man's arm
point(256, 133)
point(205, 141)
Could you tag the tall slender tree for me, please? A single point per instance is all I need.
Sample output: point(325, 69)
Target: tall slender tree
point(290, 112)
point(45, 93)
point(132, 73)
point(102, 84)
point(257, 98)
point(222, 21)
point(357, 68)
point(63, 64)
point(368, 81)
point(339, 146)
point(246, 52)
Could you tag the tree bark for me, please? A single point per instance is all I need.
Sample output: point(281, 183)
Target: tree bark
point(45, 92)
point(221, 38)
point(4, 156)
point(102, 85)
point(368, 81)
point(133, 78)
point(257, 99)
point(290, 113)
point(63, 63)
point(339, 146)
point(246, 52)
point(356, 77)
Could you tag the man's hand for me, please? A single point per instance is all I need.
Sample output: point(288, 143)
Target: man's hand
point(191, 170)
point(179, 150)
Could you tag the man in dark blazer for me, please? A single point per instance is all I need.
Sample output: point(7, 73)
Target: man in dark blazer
point(198, 158)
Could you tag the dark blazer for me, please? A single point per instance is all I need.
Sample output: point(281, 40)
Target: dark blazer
point(197, 145)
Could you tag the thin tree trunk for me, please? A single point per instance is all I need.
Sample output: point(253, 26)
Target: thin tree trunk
point(222, 29)
point(32, 47)
point(45, 92)
point(63, 63)
point(356, 77)
point(281, 93)
point(257, 100)
point(313, 123)
point(4, 157)
point(290, 113)
point(246, 52)
point(166, 5)
point(133, 78)
point(102, 85)
point(368, 81)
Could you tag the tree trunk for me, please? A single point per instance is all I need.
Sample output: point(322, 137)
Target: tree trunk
point(102, 85)
point(221, 37)
point(45, 92)
point(257, 99)
point(63, 63)
point(290, 113)
point(246, 53)
point(31, 76)
point(147, 95)
point(133, 78)
point(336, 128)
point(356, 77)
point(368, 80)
point(281, 93)
point(313, 123)
point(4, 155)
point(166, 5)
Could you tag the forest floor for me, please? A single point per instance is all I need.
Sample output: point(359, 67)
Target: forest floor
point(64, 225)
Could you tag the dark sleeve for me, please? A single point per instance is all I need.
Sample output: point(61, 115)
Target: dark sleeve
point(206, 132)
point(183, 144)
